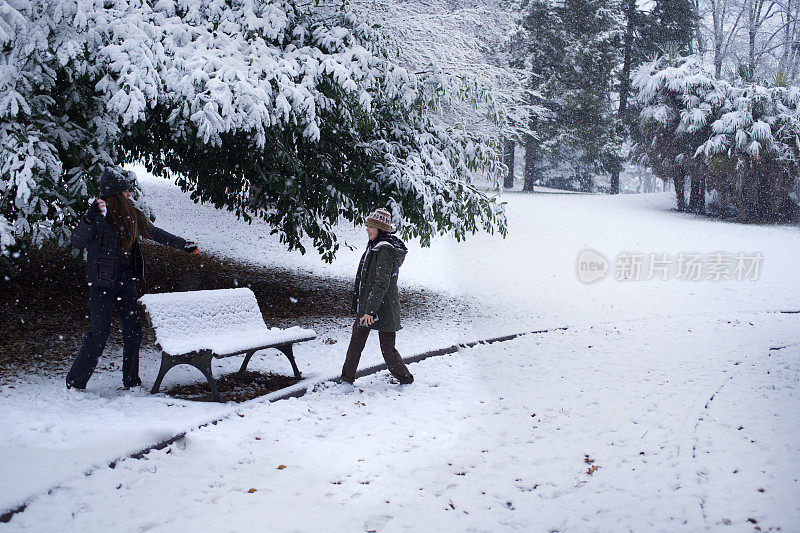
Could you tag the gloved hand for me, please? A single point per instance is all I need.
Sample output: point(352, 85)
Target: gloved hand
point(190, 247)
point(98, 208)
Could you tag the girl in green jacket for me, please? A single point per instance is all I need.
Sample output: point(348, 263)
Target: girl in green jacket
point(376, 303)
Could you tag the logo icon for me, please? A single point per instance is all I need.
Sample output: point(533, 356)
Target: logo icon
point(592, 266)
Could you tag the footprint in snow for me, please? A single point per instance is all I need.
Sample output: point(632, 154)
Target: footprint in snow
point(376, 523)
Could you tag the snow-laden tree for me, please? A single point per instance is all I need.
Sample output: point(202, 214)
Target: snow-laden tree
point(464, 40)
point(741, 140)
point(267, 108)
point(572, 49)
point(469, 43)
point(669, 90)
point(754, 152)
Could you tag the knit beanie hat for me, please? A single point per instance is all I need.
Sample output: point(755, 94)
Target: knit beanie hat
point(381, 219)
point(113, 181)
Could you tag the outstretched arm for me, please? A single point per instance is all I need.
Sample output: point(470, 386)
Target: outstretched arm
point(164, 237)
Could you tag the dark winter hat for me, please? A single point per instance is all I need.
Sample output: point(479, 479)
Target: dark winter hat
point(113, 181)
point(380, 219)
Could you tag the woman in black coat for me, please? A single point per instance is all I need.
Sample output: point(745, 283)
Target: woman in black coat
point(110, 232)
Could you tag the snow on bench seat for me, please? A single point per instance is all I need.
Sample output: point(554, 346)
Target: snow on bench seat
point(193, 327)
point(225, 321)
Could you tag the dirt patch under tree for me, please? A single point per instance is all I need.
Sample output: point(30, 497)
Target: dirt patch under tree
point(43, 312)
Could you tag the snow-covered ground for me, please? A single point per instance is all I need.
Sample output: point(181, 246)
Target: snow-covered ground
point(529, 278)
point(652, 381)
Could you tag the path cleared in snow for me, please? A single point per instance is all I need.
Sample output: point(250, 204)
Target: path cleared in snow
point(593, 429)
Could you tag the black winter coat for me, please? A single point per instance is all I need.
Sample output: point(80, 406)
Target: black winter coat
point(104, 250)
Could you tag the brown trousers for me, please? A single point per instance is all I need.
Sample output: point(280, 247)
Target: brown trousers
point(390, 354)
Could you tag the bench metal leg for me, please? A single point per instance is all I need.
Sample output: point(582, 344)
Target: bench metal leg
point(287, 351)
point(167, 362)
point(246, 360)
point(201, 361)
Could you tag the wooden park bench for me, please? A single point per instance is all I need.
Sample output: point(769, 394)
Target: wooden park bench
point(195, 327)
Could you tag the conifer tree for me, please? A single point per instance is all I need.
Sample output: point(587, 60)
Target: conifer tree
point(673, 24)
point(573, 49)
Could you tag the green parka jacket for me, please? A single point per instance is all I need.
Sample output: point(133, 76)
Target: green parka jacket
point(375, 291)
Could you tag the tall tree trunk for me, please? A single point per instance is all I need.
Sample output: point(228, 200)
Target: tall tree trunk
point(697, 195)
point(614, 189)
point(752, 28)
point(698, 30)
point(722, 35)
point(530, 173)
point(747, 198)
point(791, 42)
point(701, 207)
point(625, 79)
point(680, 195)
point(767, 196)
point(718, 36)
point(693, 186)
point(508, 159)
point(787, 32)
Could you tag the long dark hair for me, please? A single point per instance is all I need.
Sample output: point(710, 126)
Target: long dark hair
point(127, 219)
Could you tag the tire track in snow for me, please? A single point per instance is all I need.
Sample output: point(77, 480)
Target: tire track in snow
point(700, 413)
point(748, 367)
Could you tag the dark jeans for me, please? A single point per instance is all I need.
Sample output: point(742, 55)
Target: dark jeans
point(390, 354)
point(121, 295)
